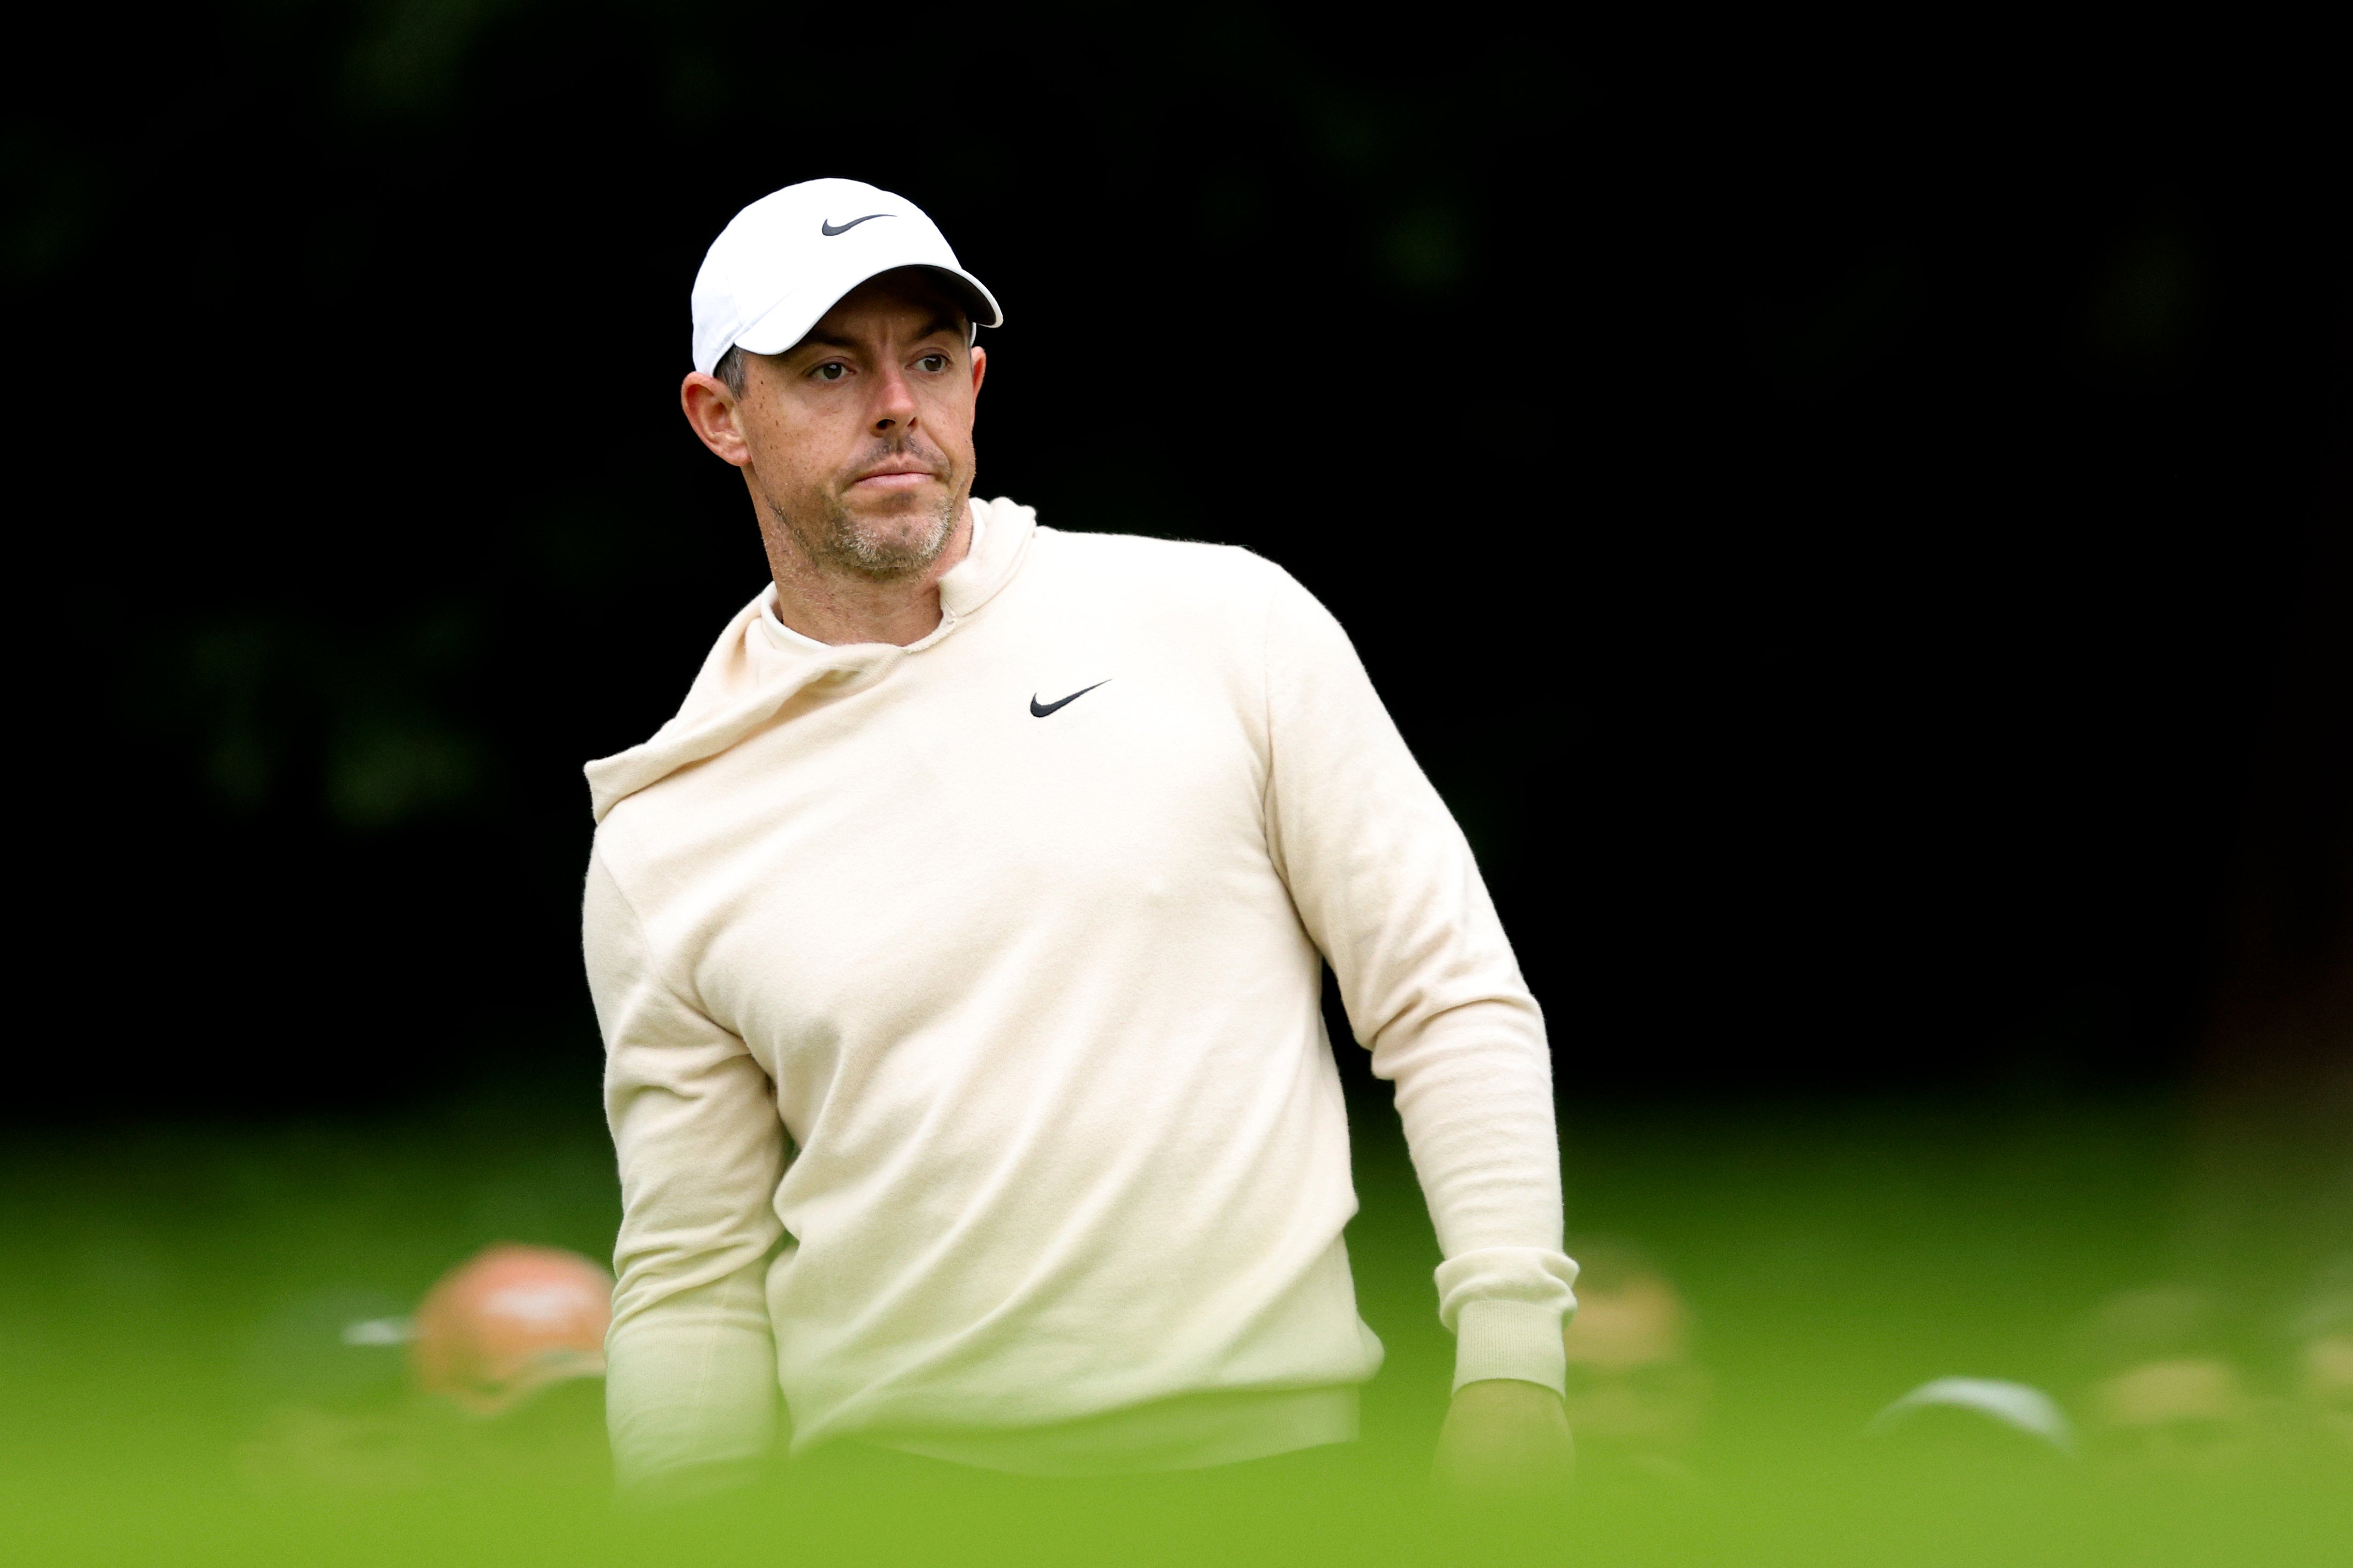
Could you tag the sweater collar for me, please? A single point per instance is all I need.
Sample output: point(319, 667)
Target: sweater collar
point(759, 664)
point(1001, 532)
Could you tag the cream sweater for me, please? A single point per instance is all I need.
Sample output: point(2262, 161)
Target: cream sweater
point(964, 1055)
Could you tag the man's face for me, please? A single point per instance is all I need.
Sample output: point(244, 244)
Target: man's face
point(859, 438)
point(2189, 1412)
point(1630, 1378)
point(2327, 1385)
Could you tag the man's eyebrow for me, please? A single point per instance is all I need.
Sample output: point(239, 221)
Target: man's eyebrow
point(938, 324)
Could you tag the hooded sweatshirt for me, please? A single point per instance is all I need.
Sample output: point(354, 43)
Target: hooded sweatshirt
point(964, 1058)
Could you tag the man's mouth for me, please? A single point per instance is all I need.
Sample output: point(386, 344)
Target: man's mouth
point(894, 476)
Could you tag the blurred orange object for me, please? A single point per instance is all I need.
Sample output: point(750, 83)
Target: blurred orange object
point(509, 1322)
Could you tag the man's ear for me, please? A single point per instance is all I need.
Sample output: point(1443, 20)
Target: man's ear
point(979, 366)
point(716, 414)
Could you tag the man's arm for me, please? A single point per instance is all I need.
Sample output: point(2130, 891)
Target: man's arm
point(691, 1385)
point(1388, 889)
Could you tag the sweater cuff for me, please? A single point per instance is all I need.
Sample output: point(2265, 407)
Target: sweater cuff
point(1518, 1340)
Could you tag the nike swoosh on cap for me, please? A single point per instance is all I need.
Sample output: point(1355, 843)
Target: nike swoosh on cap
point(1038, 711)
point(827, 229)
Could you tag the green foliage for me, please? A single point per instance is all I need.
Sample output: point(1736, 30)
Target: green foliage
point(1834, 1259)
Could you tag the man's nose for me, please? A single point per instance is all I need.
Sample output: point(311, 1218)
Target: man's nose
point(894, 402)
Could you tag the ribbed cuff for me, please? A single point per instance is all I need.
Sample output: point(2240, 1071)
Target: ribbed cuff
point(1510, 1339)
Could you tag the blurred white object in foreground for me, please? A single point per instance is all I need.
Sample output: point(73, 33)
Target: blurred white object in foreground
point(2015, 1405)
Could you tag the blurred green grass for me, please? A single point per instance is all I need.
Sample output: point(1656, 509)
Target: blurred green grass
point(1836, 1256)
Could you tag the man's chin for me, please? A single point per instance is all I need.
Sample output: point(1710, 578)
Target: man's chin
point(896, 542)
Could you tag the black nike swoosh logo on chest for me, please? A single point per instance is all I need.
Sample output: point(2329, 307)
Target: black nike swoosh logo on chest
point(827, 229)
point(1039, 710)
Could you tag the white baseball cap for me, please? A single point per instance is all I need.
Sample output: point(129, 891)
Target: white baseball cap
point(784, 262)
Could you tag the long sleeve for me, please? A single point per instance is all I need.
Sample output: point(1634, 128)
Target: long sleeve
point(1388, 889)
point(691, 1385)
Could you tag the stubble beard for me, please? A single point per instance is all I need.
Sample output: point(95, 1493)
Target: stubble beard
point(837, 540)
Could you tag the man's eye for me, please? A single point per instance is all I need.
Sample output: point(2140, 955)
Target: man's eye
point(832, 370)
point(934, 363)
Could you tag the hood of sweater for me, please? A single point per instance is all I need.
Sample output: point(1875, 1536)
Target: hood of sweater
point(759, 665)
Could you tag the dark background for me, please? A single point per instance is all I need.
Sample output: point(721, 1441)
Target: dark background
point(1858, 542)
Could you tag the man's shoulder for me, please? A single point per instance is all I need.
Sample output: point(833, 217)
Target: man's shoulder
point(1148, 564)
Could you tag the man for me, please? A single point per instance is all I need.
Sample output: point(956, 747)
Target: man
point(1637, 1394)
point(2167, 1395)
point(2321, 1378)
point(499, 1370)
point(962, 936)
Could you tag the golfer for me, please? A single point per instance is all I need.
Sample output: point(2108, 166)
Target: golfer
point(957, 948)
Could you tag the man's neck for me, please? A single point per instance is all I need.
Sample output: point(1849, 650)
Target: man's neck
point(837, 606)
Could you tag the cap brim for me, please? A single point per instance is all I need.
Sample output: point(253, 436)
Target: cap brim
point(792, 317)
